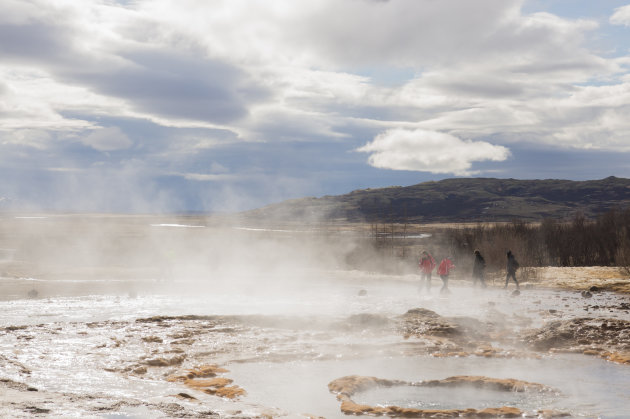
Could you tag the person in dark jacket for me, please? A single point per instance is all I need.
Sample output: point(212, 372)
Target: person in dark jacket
point(478, 267)
point(512, 266)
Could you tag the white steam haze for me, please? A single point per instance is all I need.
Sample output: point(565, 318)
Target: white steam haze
point(229, 105)
point(284, 310)
point(184, 255)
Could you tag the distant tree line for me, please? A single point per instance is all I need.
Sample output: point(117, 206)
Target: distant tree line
point(604, 241)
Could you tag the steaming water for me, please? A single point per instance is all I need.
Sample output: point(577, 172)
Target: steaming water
point(441, 398)
point(588, 387)
point(327, 294)
point(66, 352)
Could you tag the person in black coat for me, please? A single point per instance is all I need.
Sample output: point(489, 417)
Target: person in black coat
point(512, 266)
point(478, 267)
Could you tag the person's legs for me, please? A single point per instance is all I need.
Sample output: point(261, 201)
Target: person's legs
point(423, 280)
point(507, 279)
point(444, 284)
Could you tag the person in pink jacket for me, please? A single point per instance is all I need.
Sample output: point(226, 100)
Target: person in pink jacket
point(426, 265)
point(444, 269)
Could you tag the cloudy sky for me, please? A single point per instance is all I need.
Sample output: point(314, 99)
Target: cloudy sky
point(223, 105)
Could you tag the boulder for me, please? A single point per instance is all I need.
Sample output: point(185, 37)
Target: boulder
point(165, 362)
point(421, 322)
point(580, 334)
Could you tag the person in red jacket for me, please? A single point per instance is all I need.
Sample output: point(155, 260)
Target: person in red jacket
point(426, 265)
point(444, 269)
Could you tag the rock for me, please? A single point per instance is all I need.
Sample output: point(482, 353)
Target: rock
point(421, 322)
point(216, 386)
point(183, 342)
point(207, 371)
point(500, 412)
point(36, 410)
point(165, 362)
point(140, 370)
point(594, 288)
point(422, 312)
point(362, 293)
point(580, 334)
point(586, 294)
point(227, 392)
point(186, 396)
point(213, 382)
point(516, 293)
point(460, 354)
point(203, 371)
point(551, 414)
point(152, 339)
point(14, 328)
point(32, 293)
point(354, 383)
point(349, 407)
point(620, 358)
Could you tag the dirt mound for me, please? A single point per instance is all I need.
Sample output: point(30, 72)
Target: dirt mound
point(420, 321)
point(580, 335)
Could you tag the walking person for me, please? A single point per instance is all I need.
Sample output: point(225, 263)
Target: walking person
point(444, 269)
point(478, 267)
point(426, 265)
point(512, 266)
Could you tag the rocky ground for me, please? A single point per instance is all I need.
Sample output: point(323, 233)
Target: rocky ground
point(179, 366)
point(191, 356)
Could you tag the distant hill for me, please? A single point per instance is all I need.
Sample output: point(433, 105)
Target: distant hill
point(460, 200)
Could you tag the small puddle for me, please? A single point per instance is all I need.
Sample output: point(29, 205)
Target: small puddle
point(451, 398)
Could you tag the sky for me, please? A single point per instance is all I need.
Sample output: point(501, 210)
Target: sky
point(227, 105)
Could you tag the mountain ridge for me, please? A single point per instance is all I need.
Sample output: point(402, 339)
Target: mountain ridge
point(460, 200)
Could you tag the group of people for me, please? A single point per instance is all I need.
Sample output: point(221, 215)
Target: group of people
point(427, 264)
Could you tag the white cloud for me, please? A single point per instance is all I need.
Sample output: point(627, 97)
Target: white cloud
point(284, 72)
point(621, 16)
point(178, 80)
point(429, 151)
point(34, 138)
point(107, 139)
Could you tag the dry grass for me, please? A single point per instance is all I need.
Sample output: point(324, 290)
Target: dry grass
point(581, 278)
